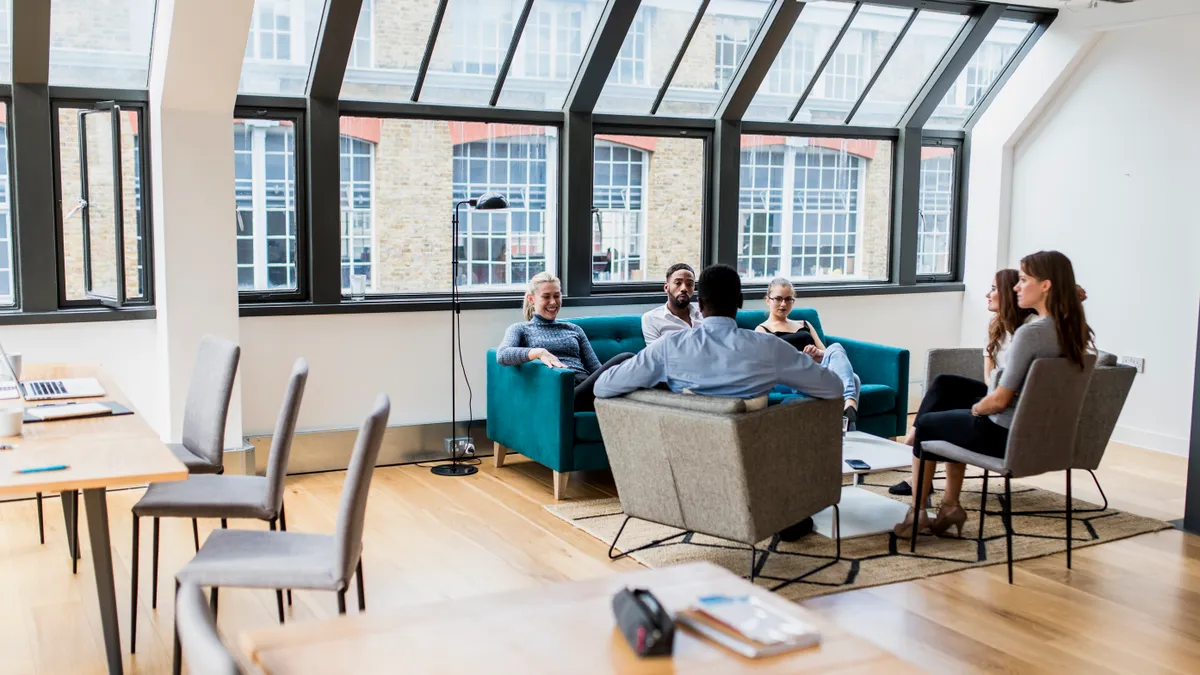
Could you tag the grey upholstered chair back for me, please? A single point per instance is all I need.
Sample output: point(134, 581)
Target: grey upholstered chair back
point(352, 511)
point(1042, 436)
point(207, 404)
point(202, 647)
point(737, 476)
point(285, 430)
point(963, 361)
point(1102, 406)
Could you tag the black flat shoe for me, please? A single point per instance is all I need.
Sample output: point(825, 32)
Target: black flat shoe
point(797, 531)
point(901, 488)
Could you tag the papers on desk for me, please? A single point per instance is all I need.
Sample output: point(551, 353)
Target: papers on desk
point(747, 626)
point(67, 410)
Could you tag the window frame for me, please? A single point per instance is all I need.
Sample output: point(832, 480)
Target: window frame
point(14, 271)
point(957, 210)
point(614, 288)
point(146, 246)
point(300, 158)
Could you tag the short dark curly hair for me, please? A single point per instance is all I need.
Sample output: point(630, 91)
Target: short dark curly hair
point(720, 291)
point(679, 266)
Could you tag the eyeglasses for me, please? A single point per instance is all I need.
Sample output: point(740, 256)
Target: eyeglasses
point(787, 300)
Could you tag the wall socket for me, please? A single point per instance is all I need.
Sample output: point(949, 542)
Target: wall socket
point(1135, 361)
point(463, 447)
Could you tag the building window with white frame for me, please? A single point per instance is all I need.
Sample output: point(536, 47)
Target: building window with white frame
point(631, 67)
point(271, 31)
point(843, 75)
point(504, 248)
point(265, 189)
point(733, 39)
point(618, 189)
point(795, 64)
point(760, 199)
point(362, 52)
point(936, 212)
point(358, 226)
point(480, 34)
point(552, 44)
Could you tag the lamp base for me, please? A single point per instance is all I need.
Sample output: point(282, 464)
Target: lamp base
point(454, 470)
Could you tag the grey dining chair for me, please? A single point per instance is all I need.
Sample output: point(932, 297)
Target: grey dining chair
point(319, 562)
point(197, 637)
point(221, 496)
point(1041, 439)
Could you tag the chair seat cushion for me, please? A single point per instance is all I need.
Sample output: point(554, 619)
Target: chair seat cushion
point(193, 462)
point(873, 399)
point(265, 559)
point(955, 453)
point(587, 428)
point(207, 496)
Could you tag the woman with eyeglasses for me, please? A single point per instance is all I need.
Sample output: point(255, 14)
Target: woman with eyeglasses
point(781, 297)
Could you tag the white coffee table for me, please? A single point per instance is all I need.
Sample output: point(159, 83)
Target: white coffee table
point(863, 512)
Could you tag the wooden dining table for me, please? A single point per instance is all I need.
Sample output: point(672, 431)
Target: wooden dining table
point(99, 452)
point(565, 627)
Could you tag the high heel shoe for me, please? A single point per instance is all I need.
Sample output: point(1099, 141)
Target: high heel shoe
point(947, 517)
point(904, 530)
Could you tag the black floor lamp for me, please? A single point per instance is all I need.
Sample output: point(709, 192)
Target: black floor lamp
point(489, 201)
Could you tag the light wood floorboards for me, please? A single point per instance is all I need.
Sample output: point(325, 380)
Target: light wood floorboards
point(1131, 606)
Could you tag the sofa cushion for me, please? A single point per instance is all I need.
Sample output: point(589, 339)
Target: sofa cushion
point(718, 405)
point(612, 335)
point(587, 428)
point(874, 399)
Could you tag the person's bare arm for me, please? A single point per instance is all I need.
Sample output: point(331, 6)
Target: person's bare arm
point(994, 402)
point(816, 338)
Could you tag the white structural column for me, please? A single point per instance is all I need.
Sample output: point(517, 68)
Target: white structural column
point(194, 71)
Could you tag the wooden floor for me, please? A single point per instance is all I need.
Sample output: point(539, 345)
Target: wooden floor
point(1130, 606)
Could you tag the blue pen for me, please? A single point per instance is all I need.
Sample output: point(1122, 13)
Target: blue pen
point(39, 469)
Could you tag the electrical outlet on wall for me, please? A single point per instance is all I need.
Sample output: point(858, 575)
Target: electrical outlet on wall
point(462, 446)
point(1135, 361)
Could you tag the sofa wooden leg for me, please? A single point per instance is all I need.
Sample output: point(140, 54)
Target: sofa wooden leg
point(560, 483)
point(498, 454)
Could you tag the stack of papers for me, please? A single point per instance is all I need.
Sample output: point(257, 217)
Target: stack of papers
point(747, 626)
point(66, 410)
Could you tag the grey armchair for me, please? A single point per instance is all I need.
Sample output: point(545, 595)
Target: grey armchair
point(220, 496)
point(704, 464)
point(1041, 439)
point(197, 635)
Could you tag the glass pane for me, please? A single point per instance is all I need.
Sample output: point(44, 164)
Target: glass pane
point(982, 70)
point(724, 36)
point(647, 206)
point(100, 44)
point(854, 61)
point(814, 209)
point(7, 280)
point(5, 44)
point(279, 48)
point(936, 223)
point(549, 53)
point(264, 183)
point(101, 203)
point(649, 49)
point(396, 33)
point(469, 52)
point(101, 187)
point(400, 182)
point(906, 72)
point(806, 46)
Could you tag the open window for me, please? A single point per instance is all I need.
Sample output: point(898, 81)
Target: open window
point(100, 204)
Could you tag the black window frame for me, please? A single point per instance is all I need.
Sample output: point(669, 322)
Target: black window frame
point(297, 117)
point(957, 208)
point(128, 101)
point(13, 257)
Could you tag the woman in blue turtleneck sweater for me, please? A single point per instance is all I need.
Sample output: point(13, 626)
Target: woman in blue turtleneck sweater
point(556, 344)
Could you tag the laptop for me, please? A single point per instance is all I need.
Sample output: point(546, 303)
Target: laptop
point(45, 390)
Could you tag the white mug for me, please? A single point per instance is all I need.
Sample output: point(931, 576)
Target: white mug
point(11, 420)
point(14, 358)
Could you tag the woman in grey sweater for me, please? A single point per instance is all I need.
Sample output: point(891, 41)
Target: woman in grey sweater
point(557, 344)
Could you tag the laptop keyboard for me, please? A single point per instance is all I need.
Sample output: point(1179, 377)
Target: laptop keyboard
point(46, 388)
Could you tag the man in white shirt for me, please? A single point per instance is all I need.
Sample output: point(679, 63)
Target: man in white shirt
point(679, 312)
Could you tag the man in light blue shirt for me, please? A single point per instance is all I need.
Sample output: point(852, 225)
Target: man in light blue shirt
point(719, 359)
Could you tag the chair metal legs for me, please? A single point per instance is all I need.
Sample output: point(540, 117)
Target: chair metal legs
point(177, 660)
point(212, 601)
point(362, 598)
point(1069, 518)
point(613, 546)
point(753, 561)
point(283, 528)
point(196, 534)
point(1008, 530)
point(278, 593)
point(154, 569)
point(918, 504)
point(133, 583)
point(837, 538)
point(341, 601)
point(41, 521)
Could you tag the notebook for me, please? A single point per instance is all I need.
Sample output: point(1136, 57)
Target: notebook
point(61, 411)
point(747, 626)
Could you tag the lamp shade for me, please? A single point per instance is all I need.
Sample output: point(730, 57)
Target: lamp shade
point(491, 201)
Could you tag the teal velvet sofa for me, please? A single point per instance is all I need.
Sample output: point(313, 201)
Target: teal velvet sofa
point(530, 408)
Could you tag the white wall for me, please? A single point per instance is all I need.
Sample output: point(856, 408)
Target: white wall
point(352, 357)
point(1108, 175)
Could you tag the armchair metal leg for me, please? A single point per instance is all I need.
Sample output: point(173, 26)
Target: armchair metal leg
point(279, 605)
point(1069, 519)
point(154, 568)
point(213, 602)
point(41, 521)
point(283, 528)
point(133, 583)
point(196, 534)
point(362, 597)
point(982, 544)
point(1008, 530)
point(612, 547)
point(341, 601)
point(837, 538)
point(753, 561)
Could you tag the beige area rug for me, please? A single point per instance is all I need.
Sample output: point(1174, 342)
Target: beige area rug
point(870, 560)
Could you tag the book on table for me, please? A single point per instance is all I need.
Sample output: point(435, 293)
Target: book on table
point(747, 626)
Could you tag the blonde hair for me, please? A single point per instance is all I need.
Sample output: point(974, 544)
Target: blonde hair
point(537, 280)
point(780, 282)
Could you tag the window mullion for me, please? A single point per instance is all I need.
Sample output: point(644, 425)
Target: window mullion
point(788, 206)
point(258, 160)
